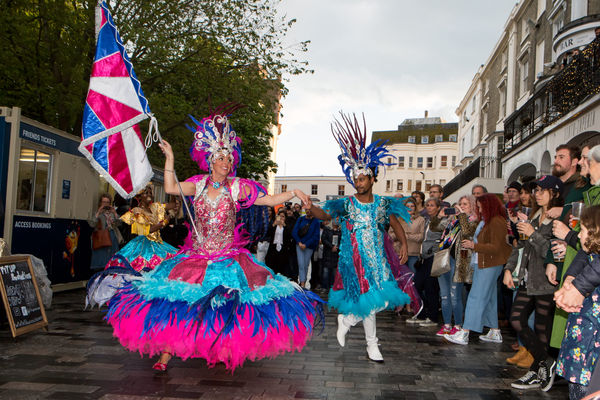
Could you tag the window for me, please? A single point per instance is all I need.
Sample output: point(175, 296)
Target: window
point(412, 139)
point(410, 162)
point(409, 185)
point(419, 162)
point(541, 7)
point(504, 59)
point(427, 185)
point(453, 138)
point(439, 138)
point(524, 29)
point(341, 189)
point(388, 185)
point(389, 160)
point(473, 104)
point(283, 188)
point(453, 161)
point(524, 71)
point(401, 162)
point(558, 22)
point(34, 180)
point(418, 186)
point(579, 9)
point(442, 182)
point(502, 90)
point(399, 185)
point(444, 161)
point(424, 139)
point(314, 189)
point(429, 162)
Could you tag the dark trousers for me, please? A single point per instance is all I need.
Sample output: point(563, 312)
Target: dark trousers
point(428, 289)
point(536, 342)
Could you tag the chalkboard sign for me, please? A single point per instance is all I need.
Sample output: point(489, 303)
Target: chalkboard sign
point(20, 295)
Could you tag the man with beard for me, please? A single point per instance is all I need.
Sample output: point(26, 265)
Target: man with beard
point(565, 168)
point(364, 283)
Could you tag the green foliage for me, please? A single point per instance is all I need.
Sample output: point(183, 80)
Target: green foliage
point(190, 56)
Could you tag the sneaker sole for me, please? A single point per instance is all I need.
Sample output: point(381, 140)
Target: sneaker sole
point(548, 386)
point(455, 341)
point(489, 340)
point(523, 386)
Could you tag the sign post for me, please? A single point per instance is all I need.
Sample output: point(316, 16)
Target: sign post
point(21, 296)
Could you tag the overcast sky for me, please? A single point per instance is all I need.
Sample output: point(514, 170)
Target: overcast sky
point(391, 59)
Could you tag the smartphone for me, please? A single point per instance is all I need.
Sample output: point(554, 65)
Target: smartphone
point(450, 211)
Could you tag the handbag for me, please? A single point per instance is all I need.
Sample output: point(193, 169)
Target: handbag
point(441, 260)
point(304, 230)
point(441, 263)
point(100, 237)
point(517, 270)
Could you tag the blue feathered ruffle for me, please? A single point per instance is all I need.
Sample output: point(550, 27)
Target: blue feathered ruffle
point(388, 297)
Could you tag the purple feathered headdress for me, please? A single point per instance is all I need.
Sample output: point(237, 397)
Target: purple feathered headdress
point(213, 135)
point(357, 158)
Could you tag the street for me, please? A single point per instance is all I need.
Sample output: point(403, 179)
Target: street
point(79, 359)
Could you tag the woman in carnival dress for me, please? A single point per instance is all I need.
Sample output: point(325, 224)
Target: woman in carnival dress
point(364, 283)
point(141, 254)
point(213, 299)
point(147, 250)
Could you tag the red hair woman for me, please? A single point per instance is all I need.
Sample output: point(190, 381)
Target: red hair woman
point(490, 252)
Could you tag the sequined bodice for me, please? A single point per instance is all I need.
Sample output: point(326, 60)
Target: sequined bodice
point(215, 220)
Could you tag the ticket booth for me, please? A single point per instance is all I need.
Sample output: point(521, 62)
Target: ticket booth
point(49, 192)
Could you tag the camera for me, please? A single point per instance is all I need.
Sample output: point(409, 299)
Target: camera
point(450, 211)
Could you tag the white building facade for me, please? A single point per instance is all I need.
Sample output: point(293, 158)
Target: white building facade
point(537, 90)
point(318, 188)
point(425, 151)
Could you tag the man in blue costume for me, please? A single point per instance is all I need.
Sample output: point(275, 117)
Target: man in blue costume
point(364, 283)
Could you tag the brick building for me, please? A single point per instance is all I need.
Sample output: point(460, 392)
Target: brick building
point(537, 90)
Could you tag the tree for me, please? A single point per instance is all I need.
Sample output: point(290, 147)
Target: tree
point(190, 56)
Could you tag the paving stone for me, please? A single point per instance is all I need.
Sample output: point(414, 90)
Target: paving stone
point(79, 359)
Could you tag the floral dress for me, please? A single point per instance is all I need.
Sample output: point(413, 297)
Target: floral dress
point(364, 281)
point(580, 347)
point(214, 300)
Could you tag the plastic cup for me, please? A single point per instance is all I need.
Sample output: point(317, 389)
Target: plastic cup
point(522, 236)
point(576, 209)
point(557, 257)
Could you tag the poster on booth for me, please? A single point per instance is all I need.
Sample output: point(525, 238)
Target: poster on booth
point(63, 244)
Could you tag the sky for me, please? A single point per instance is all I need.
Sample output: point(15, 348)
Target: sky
point(388, 59)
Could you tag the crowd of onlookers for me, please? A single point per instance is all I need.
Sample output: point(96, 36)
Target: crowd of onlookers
point(301, 247)
point(527, 260)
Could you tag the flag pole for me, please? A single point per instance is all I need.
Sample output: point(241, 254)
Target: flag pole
point(154, 136)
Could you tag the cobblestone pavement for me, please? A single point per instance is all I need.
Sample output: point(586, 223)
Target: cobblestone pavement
point(79, 359)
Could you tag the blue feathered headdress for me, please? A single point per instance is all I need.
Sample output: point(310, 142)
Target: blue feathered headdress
point(357, 158)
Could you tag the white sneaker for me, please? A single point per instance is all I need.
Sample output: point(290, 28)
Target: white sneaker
point(460, 337)
point(413, 320)
point(342, 330)
point(427, 322)
point(374, 353)
point(493, 336)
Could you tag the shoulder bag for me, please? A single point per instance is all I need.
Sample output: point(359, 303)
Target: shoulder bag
point(100, 237)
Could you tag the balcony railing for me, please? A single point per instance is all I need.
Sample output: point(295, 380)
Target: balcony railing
point(465, 176)
point(481, 167)
point(570, 87)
